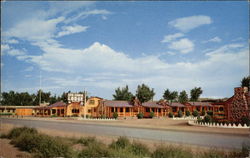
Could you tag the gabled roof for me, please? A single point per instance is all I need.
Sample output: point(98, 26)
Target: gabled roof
point(153, 104)
point(176, 104)
point(200, 103)
point(117, 103)
point(58, 104)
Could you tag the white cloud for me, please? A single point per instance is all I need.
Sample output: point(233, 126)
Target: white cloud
point(188, 23)
point(4, 48)
point(34, 29)
point(30, 68)
point(183, 45)
point(15, 52)
point(215, 39)
point(12, 41)
point(67, 30)
point(172, 37)
point(102, 67)
point(85, 14)
point(28, 76)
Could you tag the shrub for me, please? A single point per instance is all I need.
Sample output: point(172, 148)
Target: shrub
point(171, 152)
point(245, 149)
point(210, 112)
point(103, 116)
point(180, 114)
point(120, 143)
point(140, 115)
point(87, 140)
point(170, 114)
point(6, 113)
point(245, 120)
point(187, 113)
point(207, 118)
point(115, 115)
point(152, 114)
point(96, 150)
point(203, 112)
point(195, 113)
point(16, 132)
point(54, 115)
point(139, 149)
point(44, 146)
point(212, 153)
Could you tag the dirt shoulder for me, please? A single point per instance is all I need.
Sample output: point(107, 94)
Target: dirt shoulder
point(159, 124)
point(9, 151)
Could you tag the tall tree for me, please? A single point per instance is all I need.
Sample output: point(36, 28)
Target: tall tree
point(64, 97)
point(195, 93)
point(183, 97)
point(144, 93)
point(245, 82)
point(123, 94)
point(45, 97)
point(170, 96)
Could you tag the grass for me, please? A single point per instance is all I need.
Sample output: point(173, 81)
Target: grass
point(44, 146)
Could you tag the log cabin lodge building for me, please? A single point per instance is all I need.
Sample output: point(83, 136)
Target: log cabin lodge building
point(233, 109)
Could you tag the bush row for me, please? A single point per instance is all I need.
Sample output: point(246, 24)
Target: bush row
point(44, 146)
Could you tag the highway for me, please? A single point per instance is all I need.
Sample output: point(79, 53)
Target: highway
point(194, 138)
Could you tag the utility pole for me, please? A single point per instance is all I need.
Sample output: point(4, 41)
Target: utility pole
point(40, 90)
point(85, 104)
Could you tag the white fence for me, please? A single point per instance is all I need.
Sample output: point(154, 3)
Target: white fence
point(220, 125)
point(186, 118)
point(96, 119)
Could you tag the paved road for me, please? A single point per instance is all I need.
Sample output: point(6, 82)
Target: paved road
point(203, 139)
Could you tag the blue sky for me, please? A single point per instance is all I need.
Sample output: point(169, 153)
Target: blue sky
point(100, 46)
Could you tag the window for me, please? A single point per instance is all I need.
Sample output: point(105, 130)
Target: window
point(174, 109)
point(147, 109)
point(121, 109)
point(221, 109)
point(53, 111)
point(112, 109)
point(89, 110)
point(92, 102)
point(127, 109)
point(62, 111)
point(153, 109)
point(75, 110)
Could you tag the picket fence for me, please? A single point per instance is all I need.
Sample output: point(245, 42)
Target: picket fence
point(220, 125)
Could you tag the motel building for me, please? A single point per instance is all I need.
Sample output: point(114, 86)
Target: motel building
point(233, 109)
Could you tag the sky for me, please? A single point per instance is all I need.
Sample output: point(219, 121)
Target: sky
point(100, 46)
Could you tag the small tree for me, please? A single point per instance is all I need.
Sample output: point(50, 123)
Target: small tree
point(245, 120)
point(115, 115)
point(195, 93)
point(123, 94)
point(140, 115)
point(187, 113)
point(183, 97)
point(170, 114)
point(210, 112)
point(207, 118)
point(171, 96)
point(180, 114)
point(203, 113)
point(245, 82)
point(152, 114)
point(144, 93)
point(195, 113)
